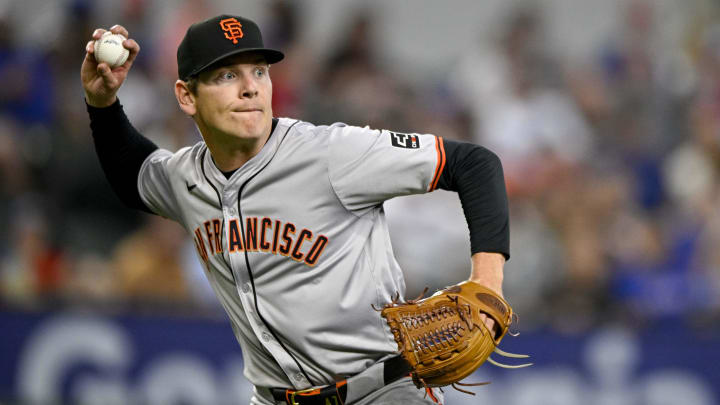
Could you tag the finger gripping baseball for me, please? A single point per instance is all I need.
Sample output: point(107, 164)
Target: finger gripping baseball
point(443, 338)
point(109, 49)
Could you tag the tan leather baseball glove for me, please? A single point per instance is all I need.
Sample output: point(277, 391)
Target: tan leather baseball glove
point(443, 338)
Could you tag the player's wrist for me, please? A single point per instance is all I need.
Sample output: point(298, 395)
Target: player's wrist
point(100, 102)
point(487, 270)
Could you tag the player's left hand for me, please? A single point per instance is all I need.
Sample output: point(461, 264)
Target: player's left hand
point(487, 271)
point(442, 338)
point(490, 323)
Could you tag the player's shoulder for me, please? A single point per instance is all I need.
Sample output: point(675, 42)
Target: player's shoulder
point(187, 153)
point(180, 167)
point(184, 158)
point(295, 131)
point(300, 128)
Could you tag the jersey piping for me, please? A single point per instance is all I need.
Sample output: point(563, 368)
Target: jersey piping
point(247, 260)
point(439, 146)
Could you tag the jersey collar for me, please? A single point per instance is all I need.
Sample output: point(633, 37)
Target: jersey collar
point(280, 127)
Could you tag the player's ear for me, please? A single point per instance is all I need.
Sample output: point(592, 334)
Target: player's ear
point(185, 98)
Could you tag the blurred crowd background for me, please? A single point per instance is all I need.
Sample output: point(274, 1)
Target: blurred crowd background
point(606, 116)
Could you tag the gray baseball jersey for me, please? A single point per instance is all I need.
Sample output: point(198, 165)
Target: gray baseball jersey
point(295, 242)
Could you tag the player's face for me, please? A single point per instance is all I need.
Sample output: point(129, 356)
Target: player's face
point(235, 99)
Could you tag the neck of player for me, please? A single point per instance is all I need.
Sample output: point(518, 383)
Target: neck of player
point(231, 153)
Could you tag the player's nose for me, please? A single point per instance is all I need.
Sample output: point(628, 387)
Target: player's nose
point(249, 88)
point(249, 92)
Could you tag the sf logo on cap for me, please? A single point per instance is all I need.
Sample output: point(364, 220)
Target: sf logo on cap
point(232, 29)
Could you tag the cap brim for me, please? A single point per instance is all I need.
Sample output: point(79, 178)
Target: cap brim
point(271, 56)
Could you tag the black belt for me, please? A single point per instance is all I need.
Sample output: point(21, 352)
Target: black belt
point(393, 369)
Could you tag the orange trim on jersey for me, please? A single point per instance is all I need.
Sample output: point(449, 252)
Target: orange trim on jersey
point(290, 394)
point(432, 396)
point(440, 166)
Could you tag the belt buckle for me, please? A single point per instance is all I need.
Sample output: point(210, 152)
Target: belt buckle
point(292, 395)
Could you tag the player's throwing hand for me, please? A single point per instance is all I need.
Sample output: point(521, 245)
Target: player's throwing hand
point(101, 82)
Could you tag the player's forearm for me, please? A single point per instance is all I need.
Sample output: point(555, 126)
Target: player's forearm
point(476, 174)
point(121, 150)
point(487, 269)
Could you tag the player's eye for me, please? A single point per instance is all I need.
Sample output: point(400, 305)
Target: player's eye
point(227, 75)
point(260, 71)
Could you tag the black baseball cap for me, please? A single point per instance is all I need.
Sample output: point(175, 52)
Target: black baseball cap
point(209, 41)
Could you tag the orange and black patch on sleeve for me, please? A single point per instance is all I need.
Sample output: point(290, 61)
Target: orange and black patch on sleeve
point(406, 141)
point(440, 165)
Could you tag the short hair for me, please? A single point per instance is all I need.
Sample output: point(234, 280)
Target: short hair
point(192, 84)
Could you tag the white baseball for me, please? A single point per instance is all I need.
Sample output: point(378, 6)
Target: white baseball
point(109, 49)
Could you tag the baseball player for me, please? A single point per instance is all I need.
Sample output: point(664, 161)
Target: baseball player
point(287, 216)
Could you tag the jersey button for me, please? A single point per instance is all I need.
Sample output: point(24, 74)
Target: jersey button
point(233, 211)
point(266, 337)
point(298, 377)
point(246, 288)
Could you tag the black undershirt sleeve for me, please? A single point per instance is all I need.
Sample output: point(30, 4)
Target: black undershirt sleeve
point(476, 174)
point(121, 150)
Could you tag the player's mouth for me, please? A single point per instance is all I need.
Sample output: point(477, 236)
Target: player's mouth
point(247, 110)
